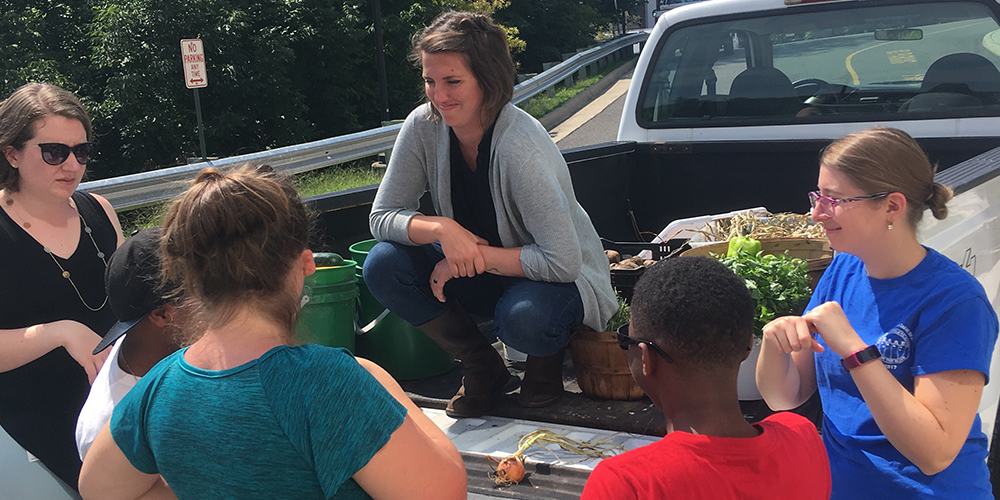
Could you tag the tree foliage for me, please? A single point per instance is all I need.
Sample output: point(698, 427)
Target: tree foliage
point(551, 28)
point(280, 72)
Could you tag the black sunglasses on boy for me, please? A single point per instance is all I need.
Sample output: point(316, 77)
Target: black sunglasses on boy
point(624, 341)
point(55, 153)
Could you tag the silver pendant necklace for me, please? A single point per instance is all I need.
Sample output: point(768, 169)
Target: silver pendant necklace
point(65, 274)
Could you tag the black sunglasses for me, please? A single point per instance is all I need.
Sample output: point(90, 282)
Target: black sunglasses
point(55, 153)
point(624, 341)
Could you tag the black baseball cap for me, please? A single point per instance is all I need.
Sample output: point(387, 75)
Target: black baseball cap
point(132, 282)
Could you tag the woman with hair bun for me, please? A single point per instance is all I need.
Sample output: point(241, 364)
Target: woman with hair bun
point(243, 412)
point(903, 335)
point(509, 241)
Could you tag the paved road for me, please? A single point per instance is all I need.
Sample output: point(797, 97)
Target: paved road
point(597, 122)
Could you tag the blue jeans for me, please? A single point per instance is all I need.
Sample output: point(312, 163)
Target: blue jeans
point(533, 317)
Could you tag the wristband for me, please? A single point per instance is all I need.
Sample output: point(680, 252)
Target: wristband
point(870, 353)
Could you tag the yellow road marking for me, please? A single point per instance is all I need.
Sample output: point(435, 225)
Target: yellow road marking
point(850, 69)
point(992, 42)
point(901, 56)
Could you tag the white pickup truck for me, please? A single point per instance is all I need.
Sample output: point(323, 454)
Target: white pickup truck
point(731, 100)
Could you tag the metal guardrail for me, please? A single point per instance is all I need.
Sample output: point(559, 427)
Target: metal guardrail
point(146, 188)
point(528, 89)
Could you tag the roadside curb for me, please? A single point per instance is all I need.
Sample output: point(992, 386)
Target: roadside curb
point(579, 101)
point(992, 42)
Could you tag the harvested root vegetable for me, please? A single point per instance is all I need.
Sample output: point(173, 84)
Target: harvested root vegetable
point(626, 264)
point(613, 256)
point(638, 260)
point(510, 470)
point(648, 262)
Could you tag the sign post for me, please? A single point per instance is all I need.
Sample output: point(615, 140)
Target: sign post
point(195, 77)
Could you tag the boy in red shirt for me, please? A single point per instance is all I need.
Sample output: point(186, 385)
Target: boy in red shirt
point(692, 323)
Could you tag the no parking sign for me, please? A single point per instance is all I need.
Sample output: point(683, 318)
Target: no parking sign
point(193, 55)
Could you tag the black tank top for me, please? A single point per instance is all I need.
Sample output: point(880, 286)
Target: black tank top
point(40, 401)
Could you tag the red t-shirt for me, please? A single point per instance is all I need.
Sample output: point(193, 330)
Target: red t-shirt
point(787, 460)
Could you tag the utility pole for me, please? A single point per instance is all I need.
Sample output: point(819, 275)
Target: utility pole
point(383, 86)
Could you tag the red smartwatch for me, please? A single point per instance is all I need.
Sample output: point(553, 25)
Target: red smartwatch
point(870, 353)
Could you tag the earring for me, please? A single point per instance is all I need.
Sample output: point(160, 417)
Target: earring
point(890, 226)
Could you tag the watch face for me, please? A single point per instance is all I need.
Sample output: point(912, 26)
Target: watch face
point(870, 353)
point(861, 357)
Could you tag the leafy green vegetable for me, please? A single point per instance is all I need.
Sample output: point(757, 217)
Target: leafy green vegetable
point(621, 316)
point(778, 284)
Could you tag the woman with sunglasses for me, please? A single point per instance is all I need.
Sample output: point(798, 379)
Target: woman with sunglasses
point(55, 244)
point(509, 240)
point(244, 412)
point(897, 338)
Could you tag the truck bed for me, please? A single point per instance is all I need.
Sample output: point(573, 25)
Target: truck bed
point(631, 191)
point(559, 475)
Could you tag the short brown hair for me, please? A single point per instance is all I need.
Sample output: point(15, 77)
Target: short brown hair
point(21, 111)
point(230, 242)
point(883, 159)
point(484, 47)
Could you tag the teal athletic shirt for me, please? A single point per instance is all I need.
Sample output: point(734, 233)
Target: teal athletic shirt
point(295, 423)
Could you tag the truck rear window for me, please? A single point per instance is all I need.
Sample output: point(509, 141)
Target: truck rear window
point(885, 62)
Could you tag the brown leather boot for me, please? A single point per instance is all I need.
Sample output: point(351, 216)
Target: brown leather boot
point(543, 384)
point(485, 377)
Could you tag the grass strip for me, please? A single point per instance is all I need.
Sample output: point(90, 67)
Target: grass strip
point(543, 104)
point(321, 181)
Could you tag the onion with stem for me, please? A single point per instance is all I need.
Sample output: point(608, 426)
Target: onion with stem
point(510, 470)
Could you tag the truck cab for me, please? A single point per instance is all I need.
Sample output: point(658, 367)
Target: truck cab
point(782, 70)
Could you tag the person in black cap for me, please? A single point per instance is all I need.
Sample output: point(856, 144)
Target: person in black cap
point(150, 320)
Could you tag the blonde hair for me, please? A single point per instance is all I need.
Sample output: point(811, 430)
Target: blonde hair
point(884, 159)
point(230, 241)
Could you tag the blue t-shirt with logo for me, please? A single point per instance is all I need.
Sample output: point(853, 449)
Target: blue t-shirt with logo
point(298, 422)
point(934, 318)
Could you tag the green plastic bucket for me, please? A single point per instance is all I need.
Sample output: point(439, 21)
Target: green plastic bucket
point(388, 340)
point(328, 297)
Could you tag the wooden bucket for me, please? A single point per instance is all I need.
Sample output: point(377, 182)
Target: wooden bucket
point(816, 252)
point(602, 367)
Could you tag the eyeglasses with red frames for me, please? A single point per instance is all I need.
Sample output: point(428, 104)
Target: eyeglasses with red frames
point(55, 153)
point(828, 204)
point(624, 341)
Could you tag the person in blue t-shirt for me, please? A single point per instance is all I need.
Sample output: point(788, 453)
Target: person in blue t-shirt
point(243, 412)
point(903, 335)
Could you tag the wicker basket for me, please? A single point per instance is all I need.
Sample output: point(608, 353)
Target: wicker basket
point(816, 252)
point(602, 367)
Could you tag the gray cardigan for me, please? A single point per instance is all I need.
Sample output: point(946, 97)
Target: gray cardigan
point(532, 192)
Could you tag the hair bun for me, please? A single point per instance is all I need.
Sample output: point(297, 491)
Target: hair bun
point(231, 240)
point(938, 199)
point(208, 175)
